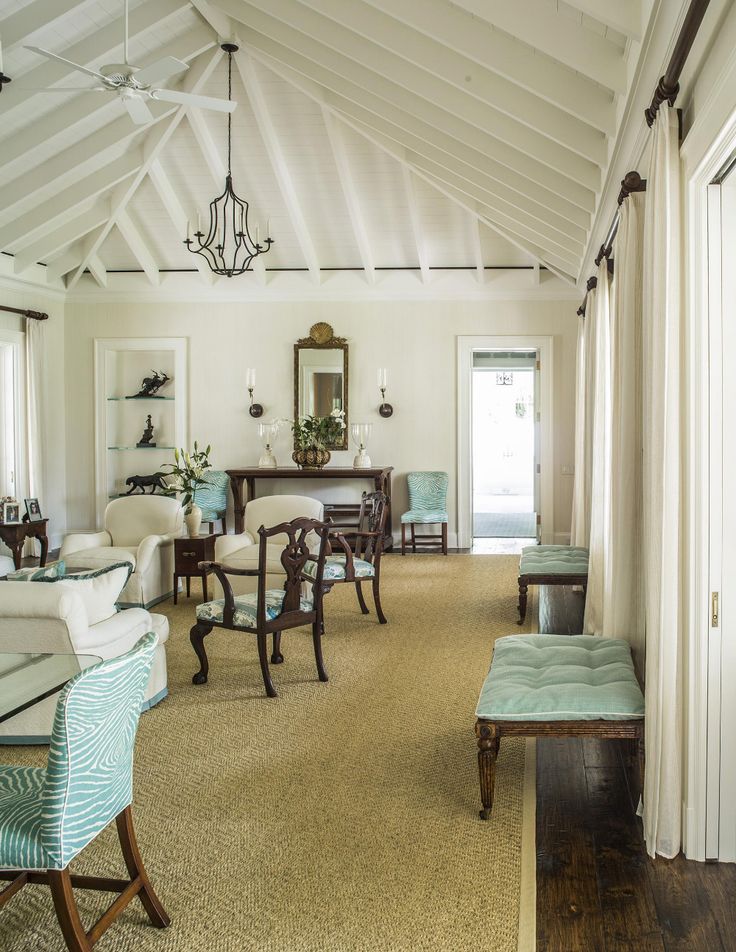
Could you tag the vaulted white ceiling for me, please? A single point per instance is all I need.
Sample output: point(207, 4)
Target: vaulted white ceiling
point(373, 134)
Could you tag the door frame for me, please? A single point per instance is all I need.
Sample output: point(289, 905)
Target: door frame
point(544, 345)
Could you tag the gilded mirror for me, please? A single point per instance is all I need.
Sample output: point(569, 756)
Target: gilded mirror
point(321, 376)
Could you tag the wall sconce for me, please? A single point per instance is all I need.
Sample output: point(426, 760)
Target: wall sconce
point(385, 409)
point(255, 409)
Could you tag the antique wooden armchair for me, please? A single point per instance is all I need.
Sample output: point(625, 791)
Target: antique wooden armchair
point(361, 561)
point(270, 611)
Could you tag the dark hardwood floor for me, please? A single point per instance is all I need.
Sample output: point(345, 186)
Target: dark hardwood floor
point(597, 890)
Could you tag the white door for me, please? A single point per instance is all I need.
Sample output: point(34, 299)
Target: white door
point(721, 773)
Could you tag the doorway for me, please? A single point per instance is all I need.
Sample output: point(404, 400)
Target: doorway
point(504, 445)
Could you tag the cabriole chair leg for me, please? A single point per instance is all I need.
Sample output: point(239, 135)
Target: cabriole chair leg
point(263, 658)
point(377, 599)
point(276, 656)
point(317, 640)
point(197, 636)
point(361, 599)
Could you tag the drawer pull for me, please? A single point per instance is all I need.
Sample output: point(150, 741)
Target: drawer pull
point(189, 555)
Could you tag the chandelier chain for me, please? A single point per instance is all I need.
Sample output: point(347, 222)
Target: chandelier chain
point(229, 115)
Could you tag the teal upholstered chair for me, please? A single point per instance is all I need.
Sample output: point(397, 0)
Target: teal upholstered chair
point(427, 506)
point(212, 498)
point(48, 815)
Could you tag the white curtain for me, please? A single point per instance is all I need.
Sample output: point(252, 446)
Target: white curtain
point(35, 378)
point(598, 373)
point(661, 387)
point(622, 601)
point(579, 527)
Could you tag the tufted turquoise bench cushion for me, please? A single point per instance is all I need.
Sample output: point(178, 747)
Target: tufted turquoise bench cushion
point(560, 678)
point(553, 560)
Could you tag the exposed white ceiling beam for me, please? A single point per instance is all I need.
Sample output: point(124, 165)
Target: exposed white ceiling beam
point(539, 25)
point(217, 20)
point(377, 34)
point(55, 241)
point(278, 160)
point(179, 218)
point(72, 165)
point(623, 15)
point(347, 55)
point(137, 245)
point(475, 240)
point(98, 271)
point(155, 142)
point(64, 264)
point(30, 226)
point(94, 50)
point(372, 92)
point(104, 106)
point(312, 90)
point(40, 13)
point(350, 192)
point(527, 67)
point(416, 225)
point(209, 149)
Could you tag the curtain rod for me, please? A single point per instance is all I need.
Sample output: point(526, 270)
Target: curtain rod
point(667, 89)
point(32, 315)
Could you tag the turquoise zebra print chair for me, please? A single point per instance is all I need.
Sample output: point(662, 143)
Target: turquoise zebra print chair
point(212, 498)
point(48, 815)
point(427, 506)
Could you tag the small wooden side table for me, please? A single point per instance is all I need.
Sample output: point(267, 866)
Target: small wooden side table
point(14, 534)
point(187, 553)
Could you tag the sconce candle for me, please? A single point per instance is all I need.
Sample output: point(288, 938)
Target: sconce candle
point(255, 409)
point(385, 409)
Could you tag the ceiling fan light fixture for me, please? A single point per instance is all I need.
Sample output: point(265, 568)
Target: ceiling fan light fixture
point(228, 247)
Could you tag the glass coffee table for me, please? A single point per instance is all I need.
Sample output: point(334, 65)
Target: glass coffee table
point(27, 678)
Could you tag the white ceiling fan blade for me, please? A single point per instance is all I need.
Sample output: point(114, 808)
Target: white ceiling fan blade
point(159, 71)
point(60, 59)
point(137, 109)
point(190, 99)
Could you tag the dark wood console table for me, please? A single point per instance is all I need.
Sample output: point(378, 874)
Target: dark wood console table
point(14, 534)
point(380, 476)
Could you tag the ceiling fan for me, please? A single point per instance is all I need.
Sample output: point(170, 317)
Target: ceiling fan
point(134, 86)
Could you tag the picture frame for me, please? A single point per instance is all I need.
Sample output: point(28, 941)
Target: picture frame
point(33, 510)
point(11, 512)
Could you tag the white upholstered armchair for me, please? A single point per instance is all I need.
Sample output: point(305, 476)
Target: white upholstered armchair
point(241, 550)
point(140, 530)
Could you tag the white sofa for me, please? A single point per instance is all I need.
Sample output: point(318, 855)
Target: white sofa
point(39, 617)
point(241, 550)
point(140, 530)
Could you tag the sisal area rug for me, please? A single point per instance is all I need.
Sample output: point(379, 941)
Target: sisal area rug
point(339, 816)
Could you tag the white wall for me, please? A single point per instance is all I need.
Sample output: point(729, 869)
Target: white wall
point(415, 340)
point(53, 503)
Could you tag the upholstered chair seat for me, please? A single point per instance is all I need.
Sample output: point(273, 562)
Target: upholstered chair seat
point(335, 568)
point(424, 516)
point(246, 608)
point(140, 530)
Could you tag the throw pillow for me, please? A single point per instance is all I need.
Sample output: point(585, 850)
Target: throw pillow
point(38, 573)
point(99, 589)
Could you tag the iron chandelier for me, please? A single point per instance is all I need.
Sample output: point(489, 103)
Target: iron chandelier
point(228, 247)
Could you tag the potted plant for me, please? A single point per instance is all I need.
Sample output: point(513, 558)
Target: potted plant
point(187, 475)
point(312, 436)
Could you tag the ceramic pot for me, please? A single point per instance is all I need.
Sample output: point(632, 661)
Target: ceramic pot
point(193, 520)
point(311, 458)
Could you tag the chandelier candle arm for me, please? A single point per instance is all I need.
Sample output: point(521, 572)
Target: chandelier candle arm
point(228, 247)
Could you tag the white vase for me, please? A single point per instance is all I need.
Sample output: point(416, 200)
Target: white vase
point(193, 520)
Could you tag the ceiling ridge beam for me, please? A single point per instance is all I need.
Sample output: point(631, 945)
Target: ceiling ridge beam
point(529, 69)
point(81, 108)
point(540, 26)
point(92, 51)
point(28, 227)
point(416, 225)
point(385, 33)
point(370, 94)
point(154, 143)
point(337, 142)
point(289, 22)
point(279, 164)
point(137, 244)
point(176, 213)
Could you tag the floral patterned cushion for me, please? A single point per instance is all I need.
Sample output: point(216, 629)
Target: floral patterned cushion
point(35, 573)
point(335, 568)
point(246, 607)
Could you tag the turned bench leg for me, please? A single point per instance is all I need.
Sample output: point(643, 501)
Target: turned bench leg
point(523, 589)
point(488, 744)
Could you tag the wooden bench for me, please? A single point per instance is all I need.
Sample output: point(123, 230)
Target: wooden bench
point(556, 686)
point(550, 565)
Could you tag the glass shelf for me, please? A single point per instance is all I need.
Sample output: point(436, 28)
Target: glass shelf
point(157, 399)
point(141, 447)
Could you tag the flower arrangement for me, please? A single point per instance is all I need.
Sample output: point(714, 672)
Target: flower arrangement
point(318, 433)
point(187, 473)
